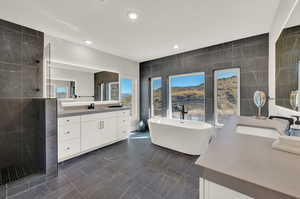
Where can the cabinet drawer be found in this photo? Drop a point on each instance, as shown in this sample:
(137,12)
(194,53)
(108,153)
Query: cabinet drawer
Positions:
(68,120)
(68,132)
(90,134)
(98,116)
(124,124)
(68,148)
(125,113)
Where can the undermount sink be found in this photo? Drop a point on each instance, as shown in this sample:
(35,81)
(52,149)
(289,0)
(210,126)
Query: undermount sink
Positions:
(257,131)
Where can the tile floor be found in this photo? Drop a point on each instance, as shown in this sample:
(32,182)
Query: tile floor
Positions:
(133,169)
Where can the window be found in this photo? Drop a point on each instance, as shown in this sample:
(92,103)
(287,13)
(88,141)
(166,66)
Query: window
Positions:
(189,91)
(226,94)
(156,97)
(126,92)
(113,91)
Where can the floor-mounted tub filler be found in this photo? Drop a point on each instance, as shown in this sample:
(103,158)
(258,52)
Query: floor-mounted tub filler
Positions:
(189,137)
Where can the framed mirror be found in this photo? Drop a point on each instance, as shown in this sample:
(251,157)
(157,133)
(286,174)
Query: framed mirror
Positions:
(288,63)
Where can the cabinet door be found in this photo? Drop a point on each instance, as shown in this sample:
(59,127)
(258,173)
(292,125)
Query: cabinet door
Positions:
(210,190)
(90,134)
(109,133)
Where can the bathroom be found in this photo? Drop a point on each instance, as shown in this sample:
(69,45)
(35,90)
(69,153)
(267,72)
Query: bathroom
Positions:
(129,99)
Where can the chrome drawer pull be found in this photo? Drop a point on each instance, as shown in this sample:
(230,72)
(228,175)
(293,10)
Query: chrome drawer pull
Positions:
(68,148)
(68,132)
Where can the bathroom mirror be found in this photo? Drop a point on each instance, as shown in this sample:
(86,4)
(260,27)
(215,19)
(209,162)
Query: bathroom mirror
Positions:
(77,83)
(288,61)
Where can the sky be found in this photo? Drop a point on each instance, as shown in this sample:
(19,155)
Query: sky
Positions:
(126,86)
(226,74)
(184,81)
(156,84)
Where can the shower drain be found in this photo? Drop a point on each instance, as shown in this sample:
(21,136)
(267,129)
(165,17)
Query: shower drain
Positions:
(11,174)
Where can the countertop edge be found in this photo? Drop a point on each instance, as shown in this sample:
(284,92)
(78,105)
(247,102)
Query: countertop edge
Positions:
(88,112)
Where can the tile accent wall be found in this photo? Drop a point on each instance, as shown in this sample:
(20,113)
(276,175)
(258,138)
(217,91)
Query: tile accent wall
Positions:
(21,61)
(249,54)
(28,122)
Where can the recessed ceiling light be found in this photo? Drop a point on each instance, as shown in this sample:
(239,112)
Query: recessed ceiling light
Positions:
(88,42)
(133,16)
(175,46)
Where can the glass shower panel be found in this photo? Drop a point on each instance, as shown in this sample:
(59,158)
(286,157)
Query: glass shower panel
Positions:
(50,89)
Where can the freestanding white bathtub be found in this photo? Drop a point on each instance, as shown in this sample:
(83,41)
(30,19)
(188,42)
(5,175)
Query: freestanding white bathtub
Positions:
(189,137)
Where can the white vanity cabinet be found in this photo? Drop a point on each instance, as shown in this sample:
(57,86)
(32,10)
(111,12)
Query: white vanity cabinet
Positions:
(68,137)
(97,130)
(123,124)
(210,190)
(80,134)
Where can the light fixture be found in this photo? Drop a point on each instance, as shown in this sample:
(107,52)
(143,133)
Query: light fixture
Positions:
(133,16)
(175,46)
(88,42)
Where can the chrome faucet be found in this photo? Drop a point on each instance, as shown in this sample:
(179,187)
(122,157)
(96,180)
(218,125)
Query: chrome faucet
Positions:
(91,106)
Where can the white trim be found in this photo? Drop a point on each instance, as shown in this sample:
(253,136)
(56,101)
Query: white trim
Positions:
(151,99)
(169,114)
(235,70)
(102,92)
(299,75)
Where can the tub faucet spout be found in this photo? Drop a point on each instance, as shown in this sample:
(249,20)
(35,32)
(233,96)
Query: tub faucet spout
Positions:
(182,110)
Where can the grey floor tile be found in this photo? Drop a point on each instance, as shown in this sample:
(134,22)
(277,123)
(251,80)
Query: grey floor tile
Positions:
(135,169)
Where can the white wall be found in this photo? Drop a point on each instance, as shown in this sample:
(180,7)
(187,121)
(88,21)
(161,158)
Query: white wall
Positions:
(68,53)
(284,11)
(84,81)
(65,52)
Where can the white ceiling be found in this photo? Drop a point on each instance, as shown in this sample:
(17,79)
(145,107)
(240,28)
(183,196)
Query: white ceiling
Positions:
(294,19)
(191,24)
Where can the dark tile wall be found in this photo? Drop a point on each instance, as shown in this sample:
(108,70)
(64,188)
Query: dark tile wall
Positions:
(21,61)
(287,64)
(32,143)
(249,54)
(28,129)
